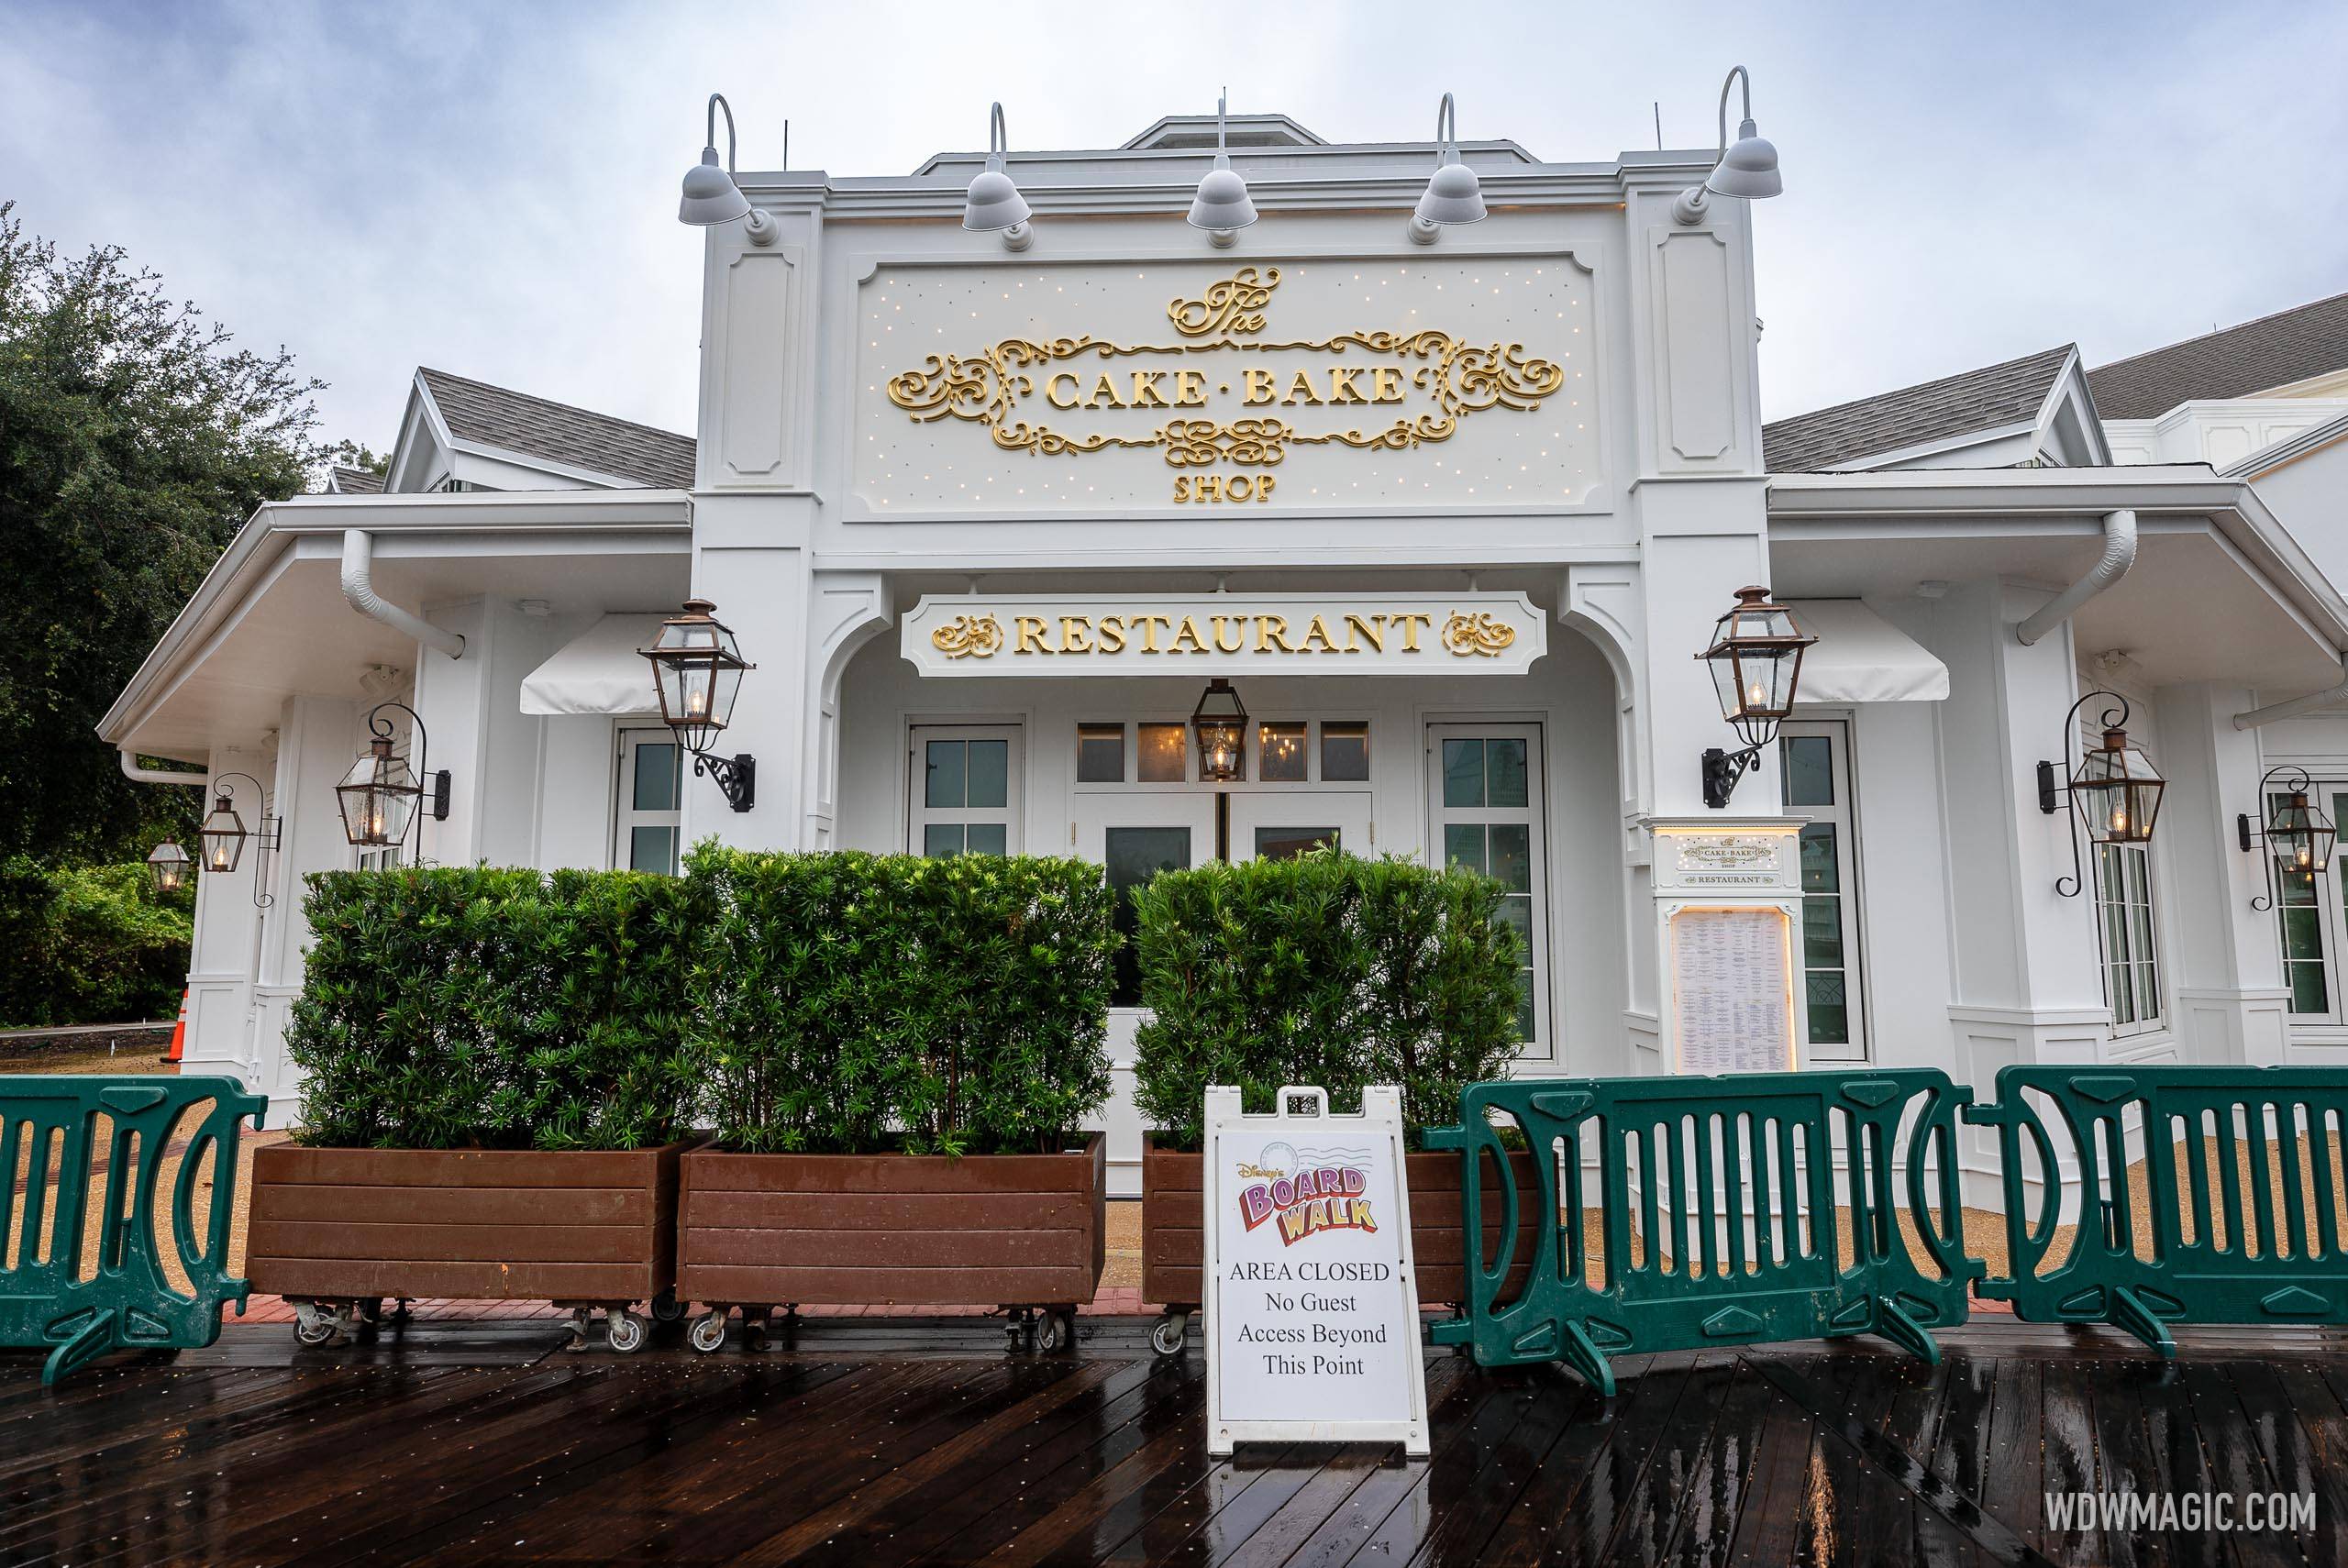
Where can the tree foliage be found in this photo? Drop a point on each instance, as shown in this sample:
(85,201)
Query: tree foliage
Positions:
(1323,969)
(135,440)
(89,945)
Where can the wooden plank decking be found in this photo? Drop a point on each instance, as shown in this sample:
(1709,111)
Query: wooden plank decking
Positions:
(888,1441)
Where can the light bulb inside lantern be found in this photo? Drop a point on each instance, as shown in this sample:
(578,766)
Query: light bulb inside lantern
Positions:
(2119,819)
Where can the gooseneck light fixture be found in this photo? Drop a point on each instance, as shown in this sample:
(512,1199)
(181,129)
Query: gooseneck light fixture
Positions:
(2115,793)
(220,841)
(697,670)
(711,197)
(1756,660)
(2299,838)
(995,205)
(167,864)
(1454,194)
(1223,206)
(1749,170)
(380,796)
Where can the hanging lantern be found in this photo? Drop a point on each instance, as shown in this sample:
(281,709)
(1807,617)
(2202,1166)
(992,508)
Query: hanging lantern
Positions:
(2116,792)
(2300,837)
(1755,659)
(222,836)
(697,670)
(167,863)
(378,796)
(1221,724)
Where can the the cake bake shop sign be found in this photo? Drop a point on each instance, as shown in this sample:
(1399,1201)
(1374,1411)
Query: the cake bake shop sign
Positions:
(1224,398)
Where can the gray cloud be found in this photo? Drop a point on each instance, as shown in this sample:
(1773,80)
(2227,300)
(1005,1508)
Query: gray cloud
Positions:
(491,188)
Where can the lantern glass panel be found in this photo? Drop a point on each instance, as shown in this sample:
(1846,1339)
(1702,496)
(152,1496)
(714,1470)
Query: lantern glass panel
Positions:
(2300,837)
(2117,792)
(168,863)
(378,798)
(223,837)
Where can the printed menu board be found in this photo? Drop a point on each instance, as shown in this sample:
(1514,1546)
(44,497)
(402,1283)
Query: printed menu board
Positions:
(1730,973)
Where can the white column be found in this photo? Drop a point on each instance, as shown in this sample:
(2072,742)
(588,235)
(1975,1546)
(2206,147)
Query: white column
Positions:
(2224,957)
(224,948)
(317,739)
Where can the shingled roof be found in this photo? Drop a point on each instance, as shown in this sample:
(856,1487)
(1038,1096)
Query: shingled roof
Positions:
(534,426)
(2258,356)
(1986,399)
(347,480)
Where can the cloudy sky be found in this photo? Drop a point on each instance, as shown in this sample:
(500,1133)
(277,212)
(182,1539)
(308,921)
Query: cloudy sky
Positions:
(491,187)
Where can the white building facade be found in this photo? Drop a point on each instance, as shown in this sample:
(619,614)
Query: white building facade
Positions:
(1454,519)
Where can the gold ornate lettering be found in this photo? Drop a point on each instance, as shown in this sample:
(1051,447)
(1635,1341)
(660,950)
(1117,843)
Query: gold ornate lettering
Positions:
(1470,635)
(1235,305)
(968,636)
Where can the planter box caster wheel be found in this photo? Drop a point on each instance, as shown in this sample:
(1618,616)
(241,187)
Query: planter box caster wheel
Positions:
(626,1331)
(708,1333)
(316,1324)
(666,1308)
(1056,1331)
(1169,1333)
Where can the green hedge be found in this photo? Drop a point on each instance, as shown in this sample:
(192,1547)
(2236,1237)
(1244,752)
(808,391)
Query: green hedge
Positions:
(477,1008)
(1323,969)
(89,945)
(855,1002)
(839,1002)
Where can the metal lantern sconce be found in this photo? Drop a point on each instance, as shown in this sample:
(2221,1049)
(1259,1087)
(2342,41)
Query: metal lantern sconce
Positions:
(2299,838)
(2114,790)
(1755,659)
(381,797)
(167,864)
(1220,722)
(220,842)
(697,670)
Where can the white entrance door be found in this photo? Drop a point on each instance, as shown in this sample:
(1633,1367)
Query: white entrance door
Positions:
(1276,824)
(1134,834)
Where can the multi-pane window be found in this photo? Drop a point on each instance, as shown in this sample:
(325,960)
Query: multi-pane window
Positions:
(2123,899)
(1487,794)
(1815,771)
(965,789)
(2307,909)
(1279,751)
(648,824)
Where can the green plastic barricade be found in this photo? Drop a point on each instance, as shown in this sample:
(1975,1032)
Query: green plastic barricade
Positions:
(1729,1211)
(78,1147)
(2203,1195)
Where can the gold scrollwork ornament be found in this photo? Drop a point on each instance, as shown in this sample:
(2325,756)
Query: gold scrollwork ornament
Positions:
(1477,633)
(968,636)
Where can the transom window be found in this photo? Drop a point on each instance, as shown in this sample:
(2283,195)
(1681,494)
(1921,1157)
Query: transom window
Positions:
(1279,751)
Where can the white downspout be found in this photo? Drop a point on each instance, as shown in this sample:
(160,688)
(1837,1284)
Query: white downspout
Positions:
(359,587)
(137,775)
(2119,555)
(2330,697)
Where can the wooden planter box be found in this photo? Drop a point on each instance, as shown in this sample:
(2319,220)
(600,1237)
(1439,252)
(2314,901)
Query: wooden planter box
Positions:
(489,1224)
(1173,1244)
(893,1230)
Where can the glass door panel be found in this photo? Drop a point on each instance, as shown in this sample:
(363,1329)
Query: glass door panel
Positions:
(1486,794)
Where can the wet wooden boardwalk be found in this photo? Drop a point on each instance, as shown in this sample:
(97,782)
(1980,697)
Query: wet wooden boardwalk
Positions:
(880,1442)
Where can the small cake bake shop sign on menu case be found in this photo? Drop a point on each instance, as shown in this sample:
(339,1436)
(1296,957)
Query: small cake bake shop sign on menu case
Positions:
(1312,1309)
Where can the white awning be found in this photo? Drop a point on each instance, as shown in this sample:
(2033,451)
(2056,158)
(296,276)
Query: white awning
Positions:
(1862,658)
(598,671)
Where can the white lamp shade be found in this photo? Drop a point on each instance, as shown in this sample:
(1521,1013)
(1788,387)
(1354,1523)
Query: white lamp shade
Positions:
(1222,200)
(1748,169)
(709,195)
(1454,195)
(994,201)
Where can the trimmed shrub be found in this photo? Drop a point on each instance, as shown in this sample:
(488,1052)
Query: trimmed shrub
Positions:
(450,1008)
(853,1003)
(90,945)
(1325,969)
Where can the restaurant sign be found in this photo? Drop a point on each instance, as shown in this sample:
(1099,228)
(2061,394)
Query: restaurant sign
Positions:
(1226,634)
(1312,1307)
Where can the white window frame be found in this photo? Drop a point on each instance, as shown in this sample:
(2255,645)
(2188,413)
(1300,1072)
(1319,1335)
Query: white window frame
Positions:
(1544,1044)
(919,814)
(2153,957)
(1190,783)
(626,818)
(1844,816)
(2331,915)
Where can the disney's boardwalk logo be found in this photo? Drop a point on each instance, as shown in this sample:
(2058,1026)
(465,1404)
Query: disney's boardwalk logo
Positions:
(1323,1198)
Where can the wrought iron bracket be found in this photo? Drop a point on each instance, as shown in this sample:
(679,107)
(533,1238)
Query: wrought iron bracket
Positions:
(1723,770)
(2054,788)
(2246,832)
(737,776)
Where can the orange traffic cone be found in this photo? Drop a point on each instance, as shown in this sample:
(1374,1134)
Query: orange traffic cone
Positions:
(179,1035)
